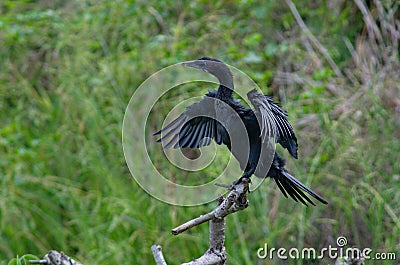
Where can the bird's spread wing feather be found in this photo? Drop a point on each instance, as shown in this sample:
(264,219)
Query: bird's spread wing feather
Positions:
(273,121)
(194,128)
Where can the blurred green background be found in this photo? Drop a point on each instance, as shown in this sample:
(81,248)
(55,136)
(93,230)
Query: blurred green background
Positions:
(69,68)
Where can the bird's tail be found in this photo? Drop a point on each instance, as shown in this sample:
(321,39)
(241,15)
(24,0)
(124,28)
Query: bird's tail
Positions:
(291,186)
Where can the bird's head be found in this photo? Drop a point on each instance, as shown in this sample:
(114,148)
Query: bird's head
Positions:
(210,65)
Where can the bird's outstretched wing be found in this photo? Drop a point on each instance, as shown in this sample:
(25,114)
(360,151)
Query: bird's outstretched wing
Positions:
(195,127)
(273,121)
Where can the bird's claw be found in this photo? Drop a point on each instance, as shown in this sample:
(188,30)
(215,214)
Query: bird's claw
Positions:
(240,180)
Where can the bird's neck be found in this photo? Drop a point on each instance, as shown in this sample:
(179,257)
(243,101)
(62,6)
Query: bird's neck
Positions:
(225,89)
(224,92)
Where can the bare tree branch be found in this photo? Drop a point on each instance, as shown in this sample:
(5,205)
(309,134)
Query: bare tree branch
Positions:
(158,256)
(235,201)
(55,258)
(226,206)
(192,223)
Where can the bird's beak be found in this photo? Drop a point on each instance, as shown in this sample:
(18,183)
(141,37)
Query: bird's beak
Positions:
(189,64)
(194,64)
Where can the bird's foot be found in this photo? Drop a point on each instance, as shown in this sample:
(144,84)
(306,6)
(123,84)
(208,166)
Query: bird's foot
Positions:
(240,180)
(236,182)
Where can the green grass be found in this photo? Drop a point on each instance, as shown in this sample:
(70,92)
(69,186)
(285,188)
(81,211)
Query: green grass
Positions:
(69,68)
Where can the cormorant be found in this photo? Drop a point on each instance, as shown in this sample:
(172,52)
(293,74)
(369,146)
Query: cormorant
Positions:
(214,118)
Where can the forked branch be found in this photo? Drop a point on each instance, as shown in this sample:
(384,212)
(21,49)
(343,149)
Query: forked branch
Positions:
(236,200)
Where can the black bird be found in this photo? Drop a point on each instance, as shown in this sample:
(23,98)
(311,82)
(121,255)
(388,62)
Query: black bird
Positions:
(220,117)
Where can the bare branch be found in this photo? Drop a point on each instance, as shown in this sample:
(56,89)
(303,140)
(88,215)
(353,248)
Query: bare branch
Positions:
(216,254)
(158,256)
(235,201)
(217,234)
(227,206)
(192,223)
(209,258)
(55,258)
